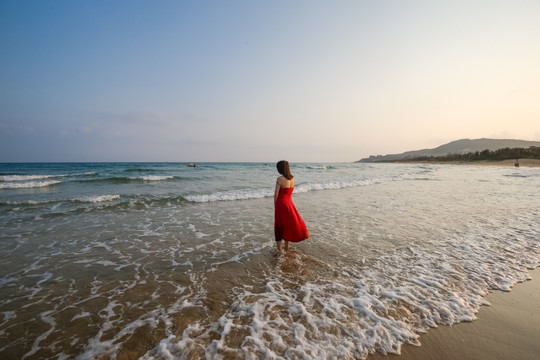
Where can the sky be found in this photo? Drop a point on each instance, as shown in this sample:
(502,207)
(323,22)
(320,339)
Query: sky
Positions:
(302,80)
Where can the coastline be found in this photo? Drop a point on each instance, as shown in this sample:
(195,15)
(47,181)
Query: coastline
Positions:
(500,163)
(508,329)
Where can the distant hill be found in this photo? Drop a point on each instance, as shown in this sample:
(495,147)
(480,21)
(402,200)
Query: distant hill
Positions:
(462,146)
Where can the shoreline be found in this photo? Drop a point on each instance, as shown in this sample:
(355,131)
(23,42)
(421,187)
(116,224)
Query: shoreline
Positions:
(500,163)
(507,329)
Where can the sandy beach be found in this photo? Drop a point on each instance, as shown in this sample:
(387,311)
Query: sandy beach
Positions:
(508,329)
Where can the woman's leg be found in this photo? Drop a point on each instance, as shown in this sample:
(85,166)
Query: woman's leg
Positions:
(286,245)
(278,243)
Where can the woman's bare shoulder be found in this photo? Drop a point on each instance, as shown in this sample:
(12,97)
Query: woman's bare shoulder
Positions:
(284,182)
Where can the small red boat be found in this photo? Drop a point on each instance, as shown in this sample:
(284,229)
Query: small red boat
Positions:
(191,165)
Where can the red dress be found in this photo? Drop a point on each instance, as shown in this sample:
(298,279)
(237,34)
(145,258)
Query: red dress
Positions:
(288,224)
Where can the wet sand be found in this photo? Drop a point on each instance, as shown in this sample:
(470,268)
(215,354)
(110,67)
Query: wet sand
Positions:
(508,329)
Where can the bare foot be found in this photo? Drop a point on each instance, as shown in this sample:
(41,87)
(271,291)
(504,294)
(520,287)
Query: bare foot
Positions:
(287,247)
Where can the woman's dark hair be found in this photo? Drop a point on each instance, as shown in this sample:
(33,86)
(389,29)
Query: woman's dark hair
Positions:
(283,168)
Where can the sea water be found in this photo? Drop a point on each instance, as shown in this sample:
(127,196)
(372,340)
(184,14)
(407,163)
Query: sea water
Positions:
(165,261)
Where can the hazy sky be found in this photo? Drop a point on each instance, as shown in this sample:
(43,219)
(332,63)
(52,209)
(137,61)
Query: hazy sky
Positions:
(262,80)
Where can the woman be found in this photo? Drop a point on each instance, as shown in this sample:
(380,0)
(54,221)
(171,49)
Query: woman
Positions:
(288,225)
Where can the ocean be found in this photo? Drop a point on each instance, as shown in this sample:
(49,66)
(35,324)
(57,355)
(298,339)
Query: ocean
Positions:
(165,261)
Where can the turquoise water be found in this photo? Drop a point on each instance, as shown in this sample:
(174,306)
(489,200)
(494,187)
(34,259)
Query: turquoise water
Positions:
(160,260)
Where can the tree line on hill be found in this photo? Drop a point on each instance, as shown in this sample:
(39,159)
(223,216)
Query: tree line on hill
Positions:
(532,152)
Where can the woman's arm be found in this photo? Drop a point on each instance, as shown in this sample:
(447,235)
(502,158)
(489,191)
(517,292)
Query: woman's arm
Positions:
(276,191)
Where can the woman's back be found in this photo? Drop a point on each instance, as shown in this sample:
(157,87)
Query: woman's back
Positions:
(284,182)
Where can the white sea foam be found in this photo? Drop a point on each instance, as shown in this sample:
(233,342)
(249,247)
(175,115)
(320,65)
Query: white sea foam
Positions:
(335,185)
(378,306)
(25,202)
(302,188)
(106,263)
(152,178)
(28,184)
(98,199)
(81,315)
(230,195)
(47,318)
(28,177)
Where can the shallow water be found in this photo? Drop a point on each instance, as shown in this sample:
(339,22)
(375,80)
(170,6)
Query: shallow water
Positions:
(161,261)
